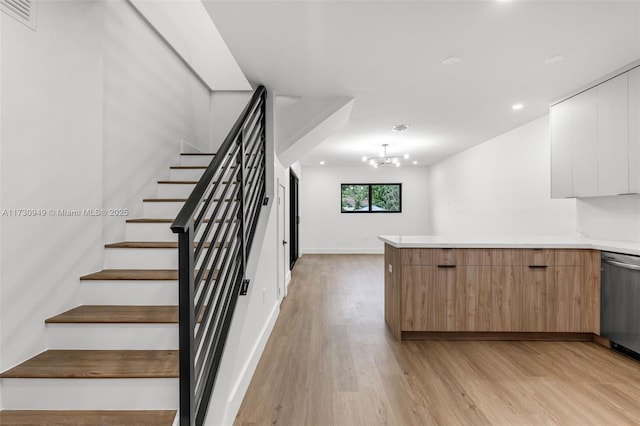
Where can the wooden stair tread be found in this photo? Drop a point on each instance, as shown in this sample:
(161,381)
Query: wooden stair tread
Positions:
(164,200)
(191,182)
(98,364)
(117,314)
(198,167)
(177,182)
(177,200)
(87,417)
(155,244)
(136,274)
(197,153)
(152,220)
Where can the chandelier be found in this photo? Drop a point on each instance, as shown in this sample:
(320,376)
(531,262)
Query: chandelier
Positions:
(385,160)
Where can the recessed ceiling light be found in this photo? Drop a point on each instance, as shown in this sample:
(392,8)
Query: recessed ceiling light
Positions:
(322,163)
(517,107)
(415,162)
(400,127)
(451,60)
(554,59)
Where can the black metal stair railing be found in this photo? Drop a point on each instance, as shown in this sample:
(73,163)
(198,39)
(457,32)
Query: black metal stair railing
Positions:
(215,229)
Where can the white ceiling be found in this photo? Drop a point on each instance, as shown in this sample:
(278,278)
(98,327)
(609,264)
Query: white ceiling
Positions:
(388,56)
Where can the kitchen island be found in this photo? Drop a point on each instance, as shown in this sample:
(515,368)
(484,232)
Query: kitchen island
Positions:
(494,288)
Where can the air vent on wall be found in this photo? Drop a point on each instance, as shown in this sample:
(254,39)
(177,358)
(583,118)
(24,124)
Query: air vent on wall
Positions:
(23,11)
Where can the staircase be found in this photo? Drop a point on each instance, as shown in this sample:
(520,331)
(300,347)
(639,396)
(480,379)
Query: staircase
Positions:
(114,359)
(148,341)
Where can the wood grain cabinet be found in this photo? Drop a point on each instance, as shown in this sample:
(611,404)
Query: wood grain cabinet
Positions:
(429,290)
(492,290)
(473,291)
(507,291)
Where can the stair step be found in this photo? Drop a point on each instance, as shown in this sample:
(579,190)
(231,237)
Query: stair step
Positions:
(187,182)
(102,336)
(158,229)
(136,275)
(132,274)
(196,159)
(129,292)
(150,220)
(177,182)
(175,188)
(155,245)
(170,207)
(197,153)
(115,314)
(178,200)
(148,254)
(144,244)
(107,364)
(87,417)
(90,393)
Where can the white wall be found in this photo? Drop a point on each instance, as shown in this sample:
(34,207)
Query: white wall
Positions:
(94,105)
(1,97)
(610,218)
(323,229)
(500,187)
(151,102)
(51,146)
(225,110)
(188,28)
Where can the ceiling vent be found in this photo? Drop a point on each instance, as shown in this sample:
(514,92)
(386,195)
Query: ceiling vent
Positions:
(23,11)
(400,127)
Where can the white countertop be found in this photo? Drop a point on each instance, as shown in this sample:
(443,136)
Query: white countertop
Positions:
(441,241)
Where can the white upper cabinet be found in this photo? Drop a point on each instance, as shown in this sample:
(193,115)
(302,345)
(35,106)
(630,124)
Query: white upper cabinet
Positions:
(561,148)
(595,140)
(613,136)
(634,130)
(585,143)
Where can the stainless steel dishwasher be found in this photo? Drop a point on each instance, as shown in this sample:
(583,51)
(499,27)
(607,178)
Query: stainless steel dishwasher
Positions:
(620,302)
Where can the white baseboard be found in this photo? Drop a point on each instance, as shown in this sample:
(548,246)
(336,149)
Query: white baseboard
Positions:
(242,384)
(287,279)
(342,251)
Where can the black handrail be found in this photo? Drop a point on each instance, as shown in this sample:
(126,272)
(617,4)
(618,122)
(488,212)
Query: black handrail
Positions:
(215,230)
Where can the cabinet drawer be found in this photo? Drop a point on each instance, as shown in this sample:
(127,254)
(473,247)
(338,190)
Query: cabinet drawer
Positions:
(538,257)
(507,257)
(416,257)
(446,257)
(476,257)
(571,257)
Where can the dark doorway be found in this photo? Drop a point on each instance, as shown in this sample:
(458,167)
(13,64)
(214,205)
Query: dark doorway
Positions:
(294,219)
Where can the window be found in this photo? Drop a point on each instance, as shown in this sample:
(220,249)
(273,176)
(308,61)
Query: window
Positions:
(371,198)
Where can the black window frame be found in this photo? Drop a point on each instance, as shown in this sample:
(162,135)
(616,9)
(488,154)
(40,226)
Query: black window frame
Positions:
(370,201)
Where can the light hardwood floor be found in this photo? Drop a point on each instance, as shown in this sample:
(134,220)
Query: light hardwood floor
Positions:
(331,361)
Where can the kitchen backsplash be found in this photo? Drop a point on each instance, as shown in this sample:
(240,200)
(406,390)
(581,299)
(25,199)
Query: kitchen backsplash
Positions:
(609,218)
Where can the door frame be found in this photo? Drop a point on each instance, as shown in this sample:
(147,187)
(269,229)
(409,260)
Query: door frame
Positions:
(282,240)
(294,219)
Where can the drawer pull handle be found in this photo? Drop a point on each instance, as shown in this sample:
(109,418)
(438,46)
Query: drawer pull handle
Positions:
(538,266)
(446,266)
